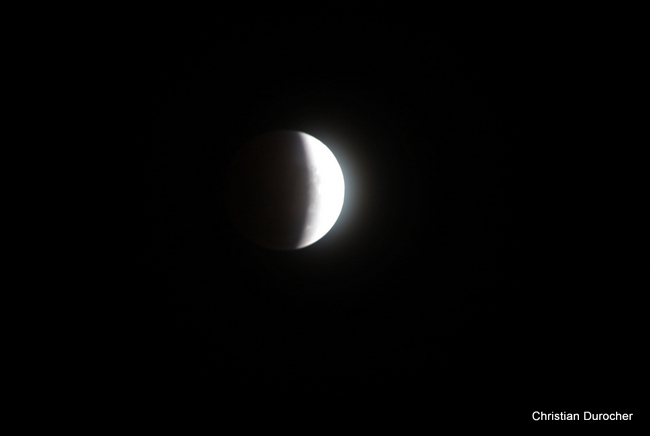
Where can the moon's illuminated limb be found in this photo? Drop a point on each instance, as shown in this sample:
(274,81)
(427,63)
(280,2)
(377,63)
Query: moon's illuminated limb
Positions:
(327,190)
(284,190)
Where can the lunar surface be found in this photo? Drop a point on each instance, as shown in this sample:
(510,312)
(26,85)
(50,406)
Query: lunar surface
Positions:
(284,190)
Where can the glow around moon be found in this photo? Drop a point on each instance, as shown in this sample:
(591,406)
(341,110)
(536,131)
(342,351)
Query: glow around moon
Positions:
(285,190)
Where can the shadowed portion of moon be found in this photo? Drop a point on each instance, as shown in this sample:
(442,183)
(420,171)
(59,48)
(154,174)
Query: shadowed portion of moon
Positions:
(268,190)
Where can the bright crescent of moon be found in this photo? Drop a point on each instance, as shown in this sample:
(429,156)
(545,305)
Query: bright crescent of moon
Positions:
(284,190)
(328,190)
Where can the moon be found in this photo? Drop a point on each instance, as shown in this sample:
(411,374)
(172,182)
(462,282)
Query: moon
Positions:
(284,190)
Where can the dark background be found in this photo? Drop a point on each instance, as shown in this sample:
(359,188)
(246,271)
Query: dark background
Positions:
(460,281)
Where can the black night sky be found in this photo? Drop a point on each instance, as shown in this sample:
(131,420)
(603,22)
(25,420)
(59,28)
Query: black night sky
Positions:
(436,291)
